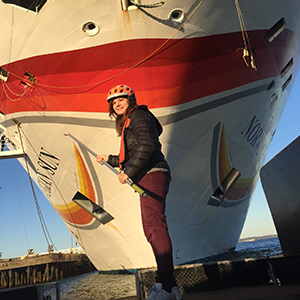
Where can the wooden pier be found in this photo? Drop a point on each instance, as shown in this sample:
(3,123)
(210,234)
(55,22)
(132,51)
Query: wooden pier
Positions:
(35,269)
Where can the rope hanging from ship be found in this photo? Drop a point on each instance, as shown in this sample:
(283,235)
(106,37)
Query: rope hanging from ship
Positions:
(96,84)
(42,221)
(6,87)
(41,218)
(248,51)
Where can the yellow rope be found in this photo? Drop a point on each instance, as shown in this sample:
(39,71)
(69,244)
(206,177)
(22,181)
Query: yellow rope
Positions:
(125,71)
(245,38)
(5,85)
(242,23)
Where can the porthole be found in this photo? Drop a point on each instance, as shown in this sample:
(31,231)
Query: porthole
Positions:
(177,15)
(90,28)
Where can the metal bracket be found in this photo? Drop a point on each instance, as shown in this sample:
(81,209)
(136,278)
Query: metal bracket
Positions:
(92,208)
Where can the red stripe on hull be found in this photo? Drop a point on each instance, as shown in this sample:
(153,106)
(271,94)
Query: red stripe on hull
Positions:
(182,71)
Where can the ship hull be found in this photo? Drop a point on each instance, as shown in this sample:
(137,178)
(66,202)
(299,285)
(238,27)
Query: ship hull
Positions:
(219,115)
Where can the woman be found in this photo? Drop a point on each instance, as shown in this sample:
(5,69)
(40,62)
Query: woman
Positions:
(141,159)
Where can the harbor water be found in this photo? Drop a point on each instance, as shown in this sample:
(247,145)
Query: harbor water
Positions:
(104,286)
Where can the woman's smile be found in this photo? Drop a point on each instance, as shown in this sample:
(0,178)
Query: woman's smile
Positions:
(120,105)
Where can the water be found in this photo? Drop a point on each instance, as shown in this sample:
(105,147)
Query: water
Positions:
(95,286)
(258,248)
(99,286)
(252,249)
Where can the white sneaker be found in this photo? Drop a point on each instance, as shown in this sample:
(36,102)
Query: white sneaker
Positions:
(176,292)
(157,293)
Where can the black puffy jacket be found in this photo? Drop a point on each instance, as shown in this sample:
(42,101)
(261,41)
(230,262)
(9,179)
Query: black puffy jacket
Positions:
(142,146)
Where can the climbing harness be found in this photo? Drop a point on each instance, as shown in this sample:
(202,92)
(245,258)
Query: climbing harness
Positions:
(247,50)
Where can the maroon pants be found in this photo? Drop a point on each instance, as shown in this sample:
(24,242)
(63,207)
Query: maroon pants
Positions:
(156,184)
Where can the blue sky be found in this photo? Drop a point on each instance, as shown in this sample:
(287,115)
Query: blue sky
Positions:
(259,220)
(19,223)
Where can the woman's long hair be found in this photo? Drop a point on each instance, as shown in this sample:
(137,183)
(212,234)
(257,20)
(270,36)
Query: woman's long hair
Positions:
(120,119)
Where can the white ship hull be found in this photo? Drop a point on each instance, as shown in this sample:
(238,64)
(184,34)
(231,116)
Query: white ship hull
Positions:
(217,112)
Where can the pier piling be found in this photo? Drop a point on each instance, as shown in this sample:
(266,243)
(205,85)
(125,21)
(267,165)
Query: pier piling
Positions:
(39,269)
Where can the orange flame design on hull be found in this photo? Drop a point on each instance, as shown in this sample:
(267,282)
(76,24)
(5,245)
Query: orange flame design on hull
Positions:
(71,212)
(244,186)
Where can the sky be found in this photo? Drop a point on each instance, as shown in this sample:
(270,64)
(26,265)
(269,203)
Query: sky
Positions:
(20,228)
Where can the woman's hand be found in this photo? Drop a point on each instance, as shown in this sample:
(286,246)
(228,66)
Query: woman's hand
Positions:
(101,157)
(123,177)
